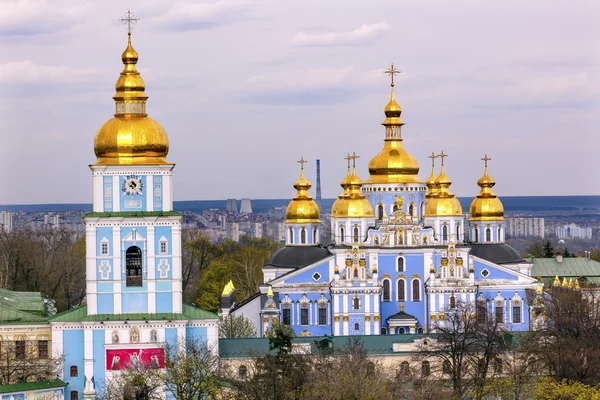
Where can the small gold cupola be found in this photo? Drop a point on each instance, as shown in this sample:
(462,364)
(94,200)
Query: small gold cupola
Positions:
(352,203)
(444,203)
(432,187)
(393,164)
(486,206)
(131,137)
(302,209)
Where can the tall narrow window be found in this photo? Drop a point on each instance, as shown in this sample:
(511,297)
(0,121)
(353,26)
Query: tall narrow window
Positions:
(104,248)
(481,311)
(445,233)
(163,247)
(133,264)
(425,368)
(74,395)
(303,236)
(497,365)
(323,314)
(242,371)
(386,290)
(73,371)
(286,316)
(446,368)
(452,301)
(488,235)
(355,235)
(404,368)
(457,231)
(42,349)
(476,235)
(499,314)
(20,349)
(356,303)
(401,290)
(342,236)
(356,327)
(499,234)
(380,211)
(416,290)
(411,210)
(314,235)
(400,264)
(291,235)
(516,314)
(304,314)
(383,330)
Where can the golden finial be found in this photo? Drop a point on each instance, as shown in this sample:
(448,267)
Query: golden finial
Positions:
(442,156)
(302,162)
(538,288)
(353,157)
(348,159)
(433,157)
(401,307)
(556,281)
(485,160)
(228,289)
(392,71)
(565,282)
(129,19)
(270,292)
(577,284)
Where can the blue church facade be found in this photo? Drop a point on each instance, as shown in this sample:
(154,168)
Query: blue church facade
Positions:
(403,254)
(134,288)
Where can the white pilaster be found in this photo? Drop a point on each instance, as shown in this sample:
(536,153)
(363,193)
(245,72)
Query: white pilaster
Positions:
(98,192)
(58,347)
(149,192)
(151,263)
(176,264)
(116,194)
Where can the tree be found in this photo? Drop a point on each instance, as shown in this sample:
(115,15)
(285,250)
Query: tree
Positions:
(550,389)
(23,360)
(191,370)
(534,249)
(549,251)
(139,382)
(236,326)
(212,283)
(198,253)
(280,337)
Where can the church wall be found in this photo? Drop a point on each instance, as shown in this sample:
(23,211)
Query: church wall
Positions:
(164,302)
(134,302)
(73,356)
(307,276)
(494,273)
(131,203)
(98,351)
(106,303)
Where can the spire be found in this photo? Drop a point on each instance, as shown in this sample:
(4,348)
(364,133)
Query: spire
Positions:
(228,289)
(538,288)
(392,110)
(270,291)
(131,97)
(565,282)
(556,281)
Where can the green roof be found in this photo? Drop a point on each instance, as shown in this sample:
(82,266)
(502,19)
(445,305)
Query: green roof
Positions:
(121,214)
(373,344)
(9,316)
(22,387)
(80,314)
(577,267)
(31,302)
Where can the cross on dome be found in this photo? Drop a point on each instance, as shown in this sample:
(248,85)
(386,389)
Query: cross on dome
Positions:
(392,71)
(433,157)
(129,19)
(486,159)
(442,156)
(302,162)
(353,157)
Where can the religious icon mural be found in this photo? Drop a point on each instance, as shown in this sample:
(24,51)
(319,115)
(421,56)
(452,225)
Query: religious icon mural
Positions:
(134,335)
(118,359)
(153,336)
(115,337)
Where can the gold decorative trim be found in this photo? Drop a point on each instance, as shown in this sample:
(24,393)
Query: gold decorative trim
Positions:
(275,320)
(336,318)
(266,320)
(376,318)
(401,276)
(367,318)
(441,317)
(345,318)
(432,317)
(386,276)
(416,276)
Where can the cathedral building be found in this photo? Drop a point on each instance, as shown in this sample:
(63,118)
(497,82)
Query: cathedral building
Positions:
(133,253)
(404,252)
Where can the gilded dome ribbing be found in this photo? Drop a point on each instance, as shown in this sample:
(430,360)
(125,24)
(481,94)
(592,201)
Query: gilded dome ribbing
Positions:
(131,137)
(393,164)
(486,206)
(444,203)
(352,203)
(302,208)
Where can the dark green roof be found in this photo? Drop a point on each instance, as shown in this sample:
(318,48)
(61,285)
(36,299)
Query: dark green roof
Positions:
(373,344)
(577,267)
(22,387)
(9,316)
(122,214)
(30,302)
(80,314)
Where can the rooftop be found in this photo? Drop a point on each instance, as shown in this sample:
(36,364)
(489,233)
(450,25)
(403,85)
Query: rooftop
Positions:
(21,387)
(80,314)
(576,267)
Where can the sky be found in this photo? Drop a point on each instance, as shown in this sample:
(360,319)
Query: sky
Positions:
(244,88)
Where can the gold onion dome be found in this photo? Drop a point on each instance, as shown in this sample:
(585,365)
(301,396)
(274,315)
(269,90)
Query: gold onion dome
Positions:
(444,203)
(486,206)
(302,208)
(393,164)
(352,203)
(131,137)
(432,187)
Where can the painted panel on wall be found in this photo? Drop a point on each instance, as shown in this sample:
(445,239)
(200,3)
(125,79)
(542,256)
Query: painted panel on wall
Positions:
(107,193)
(118,359)
(157,195)
(133,192)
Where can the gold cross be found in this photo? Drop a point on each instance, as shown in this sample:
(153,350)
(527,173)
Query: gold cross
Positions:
(354,157)
(442,156)
(486,159)
(392,71)
(348,159)
(433,157)
(302,162)
(129,19)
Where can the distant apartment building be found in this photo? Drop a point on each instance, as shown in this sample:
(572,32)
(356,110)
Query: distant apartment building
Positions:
(572,231)
(233,231)
(6,221)
(279,232)
(524,227)
(256,230)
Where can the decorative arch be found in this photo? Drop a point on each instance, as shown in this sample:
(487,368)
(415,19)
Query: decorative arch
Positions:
(302,235)
(401,289)
(387,292)
(400,263)
(416,289)
(133,266)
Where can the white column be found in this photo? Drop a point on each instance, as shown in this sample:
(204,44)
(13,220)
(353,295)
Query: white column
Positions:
(117,268)
(88,356)
(57,347)
(116,194)
(98,191)
(336,313)
(376,324)
(167,192)
(345,314)
(176,265)
(149,193)
(90,268)
(151,252)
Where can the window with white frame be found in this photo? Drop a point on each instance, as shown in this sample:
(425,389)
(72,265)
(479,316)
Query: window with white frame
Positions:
(163,247)
(401,290)
(400,264)
(386,290)
(104,247)
(416,290)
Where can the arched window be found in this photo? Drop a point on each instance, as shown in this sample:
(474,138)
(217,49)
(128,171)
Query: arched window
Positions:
(401,331)
(386,290)
(425,368)
(73,371)
(383,330)
(446,368)
(488,235)
(376,240)
(355,235)
(74,395)
(303,236)
(411,210)
(416,290)
(356,272)
(404,368)
(356,327)
(531,365)
(497,365)
(445,233)
(394,208)
(452,301)
(356,303)
(291,235)
(420,331)
(342,236)
(481,311)
(133,265)
(401,290)
(380,211)
(476,235)
(242,372)
(314,235)
(370,368)
(422,209)
(499,234)
(457,231)
(400,264)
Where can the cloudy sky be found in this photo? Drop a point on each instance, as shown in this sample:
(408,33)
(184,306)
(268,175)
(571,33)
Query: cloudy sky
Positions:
(246,87)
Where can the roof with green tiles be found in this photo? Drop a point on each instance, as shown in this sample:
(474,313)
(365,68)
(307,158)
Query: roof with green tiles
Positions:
(548,268)
(30,302)
(256,347)
(80,314)
(122,214)
(10,315)
(27,386)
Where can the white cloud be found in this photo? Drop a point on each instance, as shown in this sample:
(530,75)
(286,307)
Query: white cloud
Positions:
(31,17)
(195,16)
(362,35)
(28,72)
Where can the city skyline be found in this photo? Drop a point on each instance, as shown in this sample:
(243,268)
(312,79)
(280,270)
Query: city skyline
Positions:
(244,88)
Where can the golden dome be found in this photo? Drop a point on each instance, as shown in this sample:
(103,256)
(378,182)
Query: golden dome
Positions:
(393,164)
(431,185)
(352,203)
(131,137)
(444,203)
(302,208)
(486,206)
